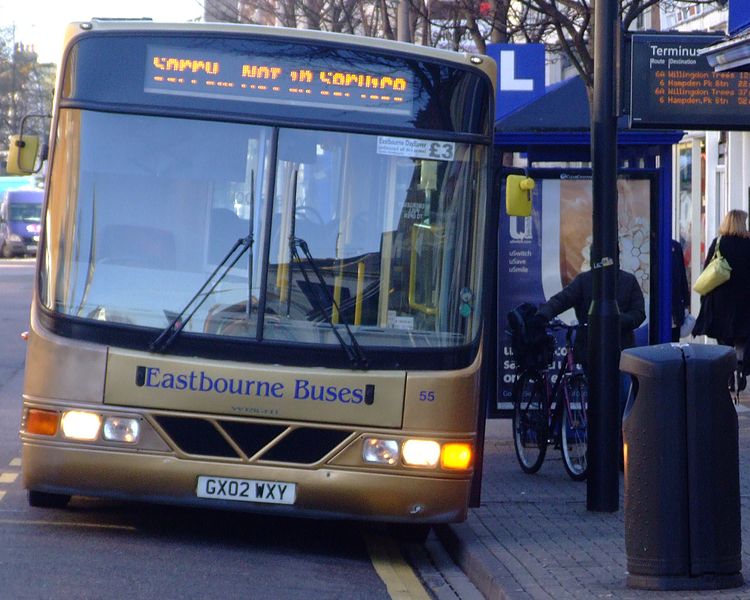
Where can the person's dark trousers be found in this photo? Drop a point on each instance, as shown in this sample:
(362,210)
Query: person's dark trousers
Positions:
(743,366)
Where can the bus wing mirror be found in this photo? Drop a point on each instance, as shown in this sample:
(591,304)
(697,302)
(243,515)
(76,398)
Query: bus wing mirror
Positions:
(23,150)
(518,190)
(22,153)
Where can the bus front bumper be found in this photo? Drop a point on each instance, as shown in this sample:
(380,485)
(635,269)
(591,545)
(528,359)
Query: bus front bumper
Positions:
(327,492)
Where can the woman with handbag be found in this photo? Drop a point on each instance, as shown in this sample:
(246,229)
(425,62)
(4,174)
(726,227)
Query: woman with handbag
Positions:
(725,310)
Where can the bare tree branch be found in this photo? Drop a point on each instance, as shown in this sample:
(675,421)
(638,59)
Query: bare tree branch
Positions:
(565,26)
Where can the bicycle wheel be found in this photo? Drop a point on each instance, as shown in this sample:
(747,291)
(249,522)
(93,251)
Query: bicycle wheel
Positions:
(530,421)
(574,426)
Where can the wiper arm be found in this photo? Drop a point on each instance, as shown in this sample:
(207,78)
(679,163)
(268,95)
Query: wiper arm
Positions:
(177,324)
(353,349)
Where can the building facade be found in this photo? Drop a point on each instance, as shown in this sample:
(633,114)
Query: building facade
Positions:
(712,168)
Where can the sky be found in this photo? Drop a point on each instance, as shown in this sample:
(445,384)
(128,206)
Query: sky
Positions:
(41,23)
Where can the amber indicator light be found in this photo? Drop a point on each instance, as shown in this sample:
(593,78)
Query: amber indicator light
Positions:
(456,456)
(42,422)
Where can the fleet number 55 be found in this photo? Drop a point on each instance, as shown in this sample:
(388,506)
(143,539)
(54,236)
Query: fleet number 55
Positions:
(426,396)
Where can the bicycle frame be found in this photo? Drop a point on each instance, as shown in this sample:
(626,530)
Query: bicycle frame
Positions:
(555,390)
(550,408)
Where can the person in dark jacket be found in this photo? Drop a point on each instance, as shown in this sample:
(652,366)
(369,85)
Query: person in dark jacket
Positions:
(725,311)
(578,295)
(680,290)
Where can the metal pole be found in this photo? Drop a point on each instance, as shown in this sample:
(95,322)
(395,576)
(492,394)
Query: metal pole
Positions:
(603,483)
(403,21)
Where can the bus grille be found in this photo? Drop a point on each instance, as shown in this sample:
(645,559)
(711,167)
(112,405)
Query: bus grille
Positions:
(258,442)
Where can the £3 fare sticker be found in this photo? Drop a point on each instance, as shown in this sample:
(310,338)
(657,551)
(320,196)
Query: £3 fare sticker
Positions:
(416,148)
(442,150)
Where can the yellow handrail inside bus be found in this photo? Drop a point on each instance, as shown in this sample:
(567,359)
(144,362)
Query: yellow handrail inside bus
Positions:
(360,292)
(425,231)
(336,297)
(282,275)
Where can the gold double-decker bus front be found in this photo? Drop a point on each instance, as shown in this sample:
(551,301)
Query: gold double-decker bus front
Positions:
(260,275)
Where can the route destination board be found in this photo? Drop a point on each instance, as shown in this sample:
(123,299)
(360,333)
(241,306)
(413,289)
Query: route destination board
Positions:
(673,86)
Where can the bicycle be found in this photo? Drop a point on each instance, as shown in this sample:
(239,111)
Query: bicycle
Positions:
(550,407)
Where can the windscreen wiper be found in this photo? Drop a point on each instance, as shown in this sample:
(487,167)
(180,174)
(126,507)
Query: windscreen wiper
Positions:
(177,324)
(353,349)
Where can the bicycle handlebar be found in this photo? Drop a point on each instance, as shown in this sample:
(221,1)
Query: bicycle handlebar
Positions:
(557,324)
(571,331)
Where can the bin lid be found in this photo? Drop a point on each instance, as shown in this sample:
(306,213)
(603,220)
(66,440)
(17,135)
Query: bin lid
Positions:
(708,352)
(647,361)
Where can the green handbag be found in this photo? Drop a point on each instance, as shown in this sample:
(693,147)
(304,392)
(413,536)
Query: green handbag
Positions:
(716,272)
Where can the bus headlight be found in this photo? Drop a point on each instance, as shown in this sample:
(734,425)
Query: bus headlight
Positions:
(121,429)
(80,425)
(13,237)
(456,456)
(421,453)
(376,450)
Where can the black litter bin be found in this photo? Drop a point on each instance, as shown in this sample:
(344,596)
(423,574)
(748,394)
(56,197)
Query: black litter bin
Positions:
(682,487)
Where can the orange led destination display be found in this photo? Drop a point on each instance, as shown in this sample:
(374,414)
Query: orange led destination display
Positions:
(309,81)
(673,86)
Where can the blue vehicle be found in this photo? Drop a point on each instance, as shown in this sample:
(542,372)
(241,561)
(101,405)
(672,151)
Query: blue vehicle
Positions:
(20,222)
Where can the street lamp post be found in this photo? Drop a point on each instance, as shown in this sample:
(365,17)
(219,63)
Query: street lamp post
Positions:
(603,483)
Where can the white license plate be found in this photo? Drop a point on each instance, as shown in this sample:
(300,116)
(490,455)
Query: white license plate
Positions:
(246,490)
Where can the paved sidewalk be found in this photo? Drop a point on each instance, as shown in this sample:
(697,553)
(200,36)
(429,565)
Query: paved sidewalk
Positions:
(532,537)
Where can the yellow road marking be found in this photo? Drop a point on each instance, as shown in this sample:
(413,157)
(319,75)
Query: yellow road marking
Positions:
(8,477)
(399,578)
(16,462)
(2,495)
(66,524)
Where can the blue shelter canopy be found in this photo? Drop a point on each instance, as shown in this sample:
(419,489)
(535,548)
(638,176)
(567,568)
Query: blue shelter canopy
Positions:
(556,127)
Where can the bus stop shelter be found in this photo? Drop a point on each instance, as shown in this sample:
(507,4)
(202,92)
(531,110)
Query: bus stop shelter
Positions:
(538,255)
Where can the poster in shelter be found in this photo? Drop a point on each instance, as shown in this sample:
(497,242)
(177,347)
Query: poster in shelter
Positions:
(541,254)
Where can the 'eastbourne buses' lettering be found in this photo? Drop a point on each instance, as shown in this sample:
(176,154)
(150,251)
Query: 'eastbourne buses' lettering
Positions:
(200,381)
(154,377)
(304,390)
